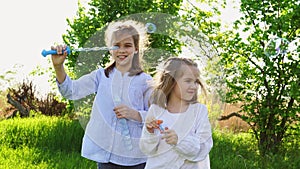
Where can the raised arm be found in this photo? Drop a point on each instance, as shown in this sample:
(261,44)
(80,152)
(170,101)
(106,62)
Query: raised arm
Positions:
(58,62)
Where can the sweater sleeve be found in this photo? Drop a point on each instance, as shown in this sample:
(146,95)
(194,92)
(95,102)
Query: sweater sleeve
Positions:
(149,141)
(198,143)
(77,89)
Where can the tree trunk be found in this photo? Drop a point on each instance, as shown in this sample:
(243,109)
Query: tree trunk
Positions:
(22,110)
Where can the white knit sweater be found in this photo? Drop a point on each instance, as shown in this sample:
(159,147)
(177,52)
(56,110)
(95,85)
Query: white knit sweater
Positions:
(194,139)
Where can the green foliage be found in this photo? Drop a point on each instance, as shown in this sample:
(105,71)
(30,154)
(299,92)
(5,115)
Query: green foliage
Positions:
(173,30)
(267,86)
(55,142)
(87,28)
(233,150)
(35,158)
(43,142)
(45,133)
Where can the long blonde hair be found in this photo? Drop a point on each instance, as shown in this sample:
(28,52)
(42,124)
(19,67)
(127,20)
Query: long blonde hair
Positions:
(165,80)
(139,34)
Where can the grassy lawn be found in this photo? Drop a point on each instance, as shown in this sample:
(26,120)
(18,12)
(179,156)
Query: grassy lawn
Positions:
(239,151)
(35,158)
(42,142)
(55,143)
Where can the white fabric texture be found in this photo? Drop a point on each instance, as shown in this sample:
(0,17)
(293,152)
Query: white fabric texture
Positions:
(194,139)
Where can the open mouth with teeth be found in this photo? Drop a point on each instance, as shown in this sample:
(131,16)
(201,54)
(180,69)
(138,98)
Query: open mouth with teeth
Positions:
(123,57)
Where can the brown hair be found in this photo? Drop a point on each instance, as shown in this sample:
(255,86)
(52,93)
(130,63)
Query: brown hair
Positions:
(140,38)
(165,80)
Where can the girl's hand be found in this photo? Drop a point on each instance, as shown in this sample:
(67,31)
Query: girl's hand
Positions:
(59,59)
(123,111)
(151,124)
(170,136)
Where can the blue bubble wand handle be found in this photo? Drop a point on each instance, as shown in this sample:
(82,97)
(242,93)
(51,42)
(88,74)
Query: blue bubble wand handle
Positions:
(54,52)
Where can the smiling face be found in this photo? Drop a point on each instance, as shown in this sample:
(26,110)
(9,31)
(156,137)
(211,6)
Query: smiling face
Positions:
(187,84)
(124,54)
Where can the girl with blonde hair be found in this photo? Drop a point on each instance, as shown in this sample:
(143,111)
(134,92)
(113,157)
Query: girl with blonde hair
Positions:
(122,92)
(184,139)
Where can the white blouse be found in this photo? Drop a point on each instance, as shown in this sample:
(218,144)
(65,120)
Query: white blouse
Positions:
(102,141)
(194,139)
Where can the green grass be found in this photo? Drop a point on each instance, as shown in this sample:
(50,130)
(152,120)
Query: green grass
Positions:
(35,158)
(49,133)
(42,142)
(239,151)
(55,143)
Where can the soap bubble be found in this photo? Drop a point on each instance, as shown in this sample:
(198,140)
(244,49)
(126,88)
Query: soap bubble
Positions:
(294,48)
(276,46)
(195,45)
(151,27)
(294,45)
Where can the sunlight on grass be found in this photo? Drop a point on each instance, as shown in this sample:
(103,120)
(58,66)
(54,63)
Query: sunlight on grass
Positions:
(55,142)
(33,158)
(239,150)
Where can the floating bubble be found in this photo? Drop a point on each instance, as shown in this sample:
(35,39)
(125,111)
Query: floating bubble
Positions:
(294,45)
(89,61)
(276,46)
(294,48)
(151,27)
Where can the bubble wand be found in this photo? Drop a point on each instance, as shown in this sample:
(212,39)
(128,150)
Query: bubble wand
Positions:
(104,48)
(151,28)
(160,127)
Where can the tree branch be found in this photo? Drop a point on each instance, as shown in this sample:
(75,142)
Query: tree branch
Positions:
(226,117)
(23,111)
